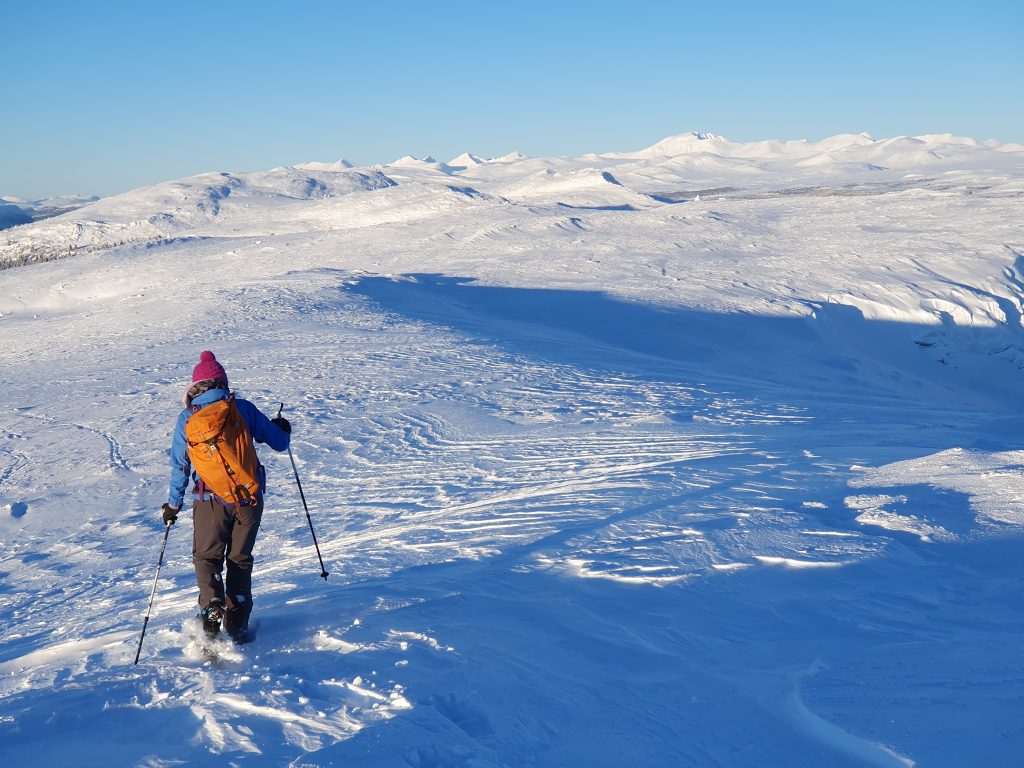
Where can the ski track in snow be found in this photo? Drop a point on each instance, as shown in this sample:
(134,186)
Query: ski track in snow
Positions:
(598,478)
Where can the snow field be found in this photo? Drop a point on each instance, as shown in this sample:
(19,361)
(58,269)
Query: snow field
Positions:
(723,482)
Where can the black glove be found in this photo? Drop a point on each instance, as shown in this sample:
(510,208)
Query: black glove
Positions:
(170,514)
(282,424)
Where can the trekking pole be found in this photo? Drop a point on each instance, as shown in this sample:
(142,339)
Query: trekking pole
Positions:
(159,564)
(323,571)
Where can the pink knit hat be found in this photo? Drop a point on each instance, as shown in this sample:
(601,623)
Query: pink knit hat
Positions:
(208,368)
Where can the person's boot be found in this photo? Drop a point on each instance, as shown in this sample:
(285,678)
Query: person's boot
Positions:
(212,616)
(236,624)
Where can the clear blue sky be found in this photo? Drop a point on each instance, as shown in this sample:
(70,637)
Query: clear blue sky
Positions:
(101,97)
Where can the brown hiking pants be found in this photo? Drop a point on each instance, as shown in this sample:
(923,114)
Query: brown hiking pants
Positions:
(219,530)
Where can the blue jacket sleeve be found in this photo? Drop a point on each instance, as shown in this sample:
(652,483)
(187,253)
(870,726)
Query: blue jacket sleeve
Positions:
(181,466)
(261,428)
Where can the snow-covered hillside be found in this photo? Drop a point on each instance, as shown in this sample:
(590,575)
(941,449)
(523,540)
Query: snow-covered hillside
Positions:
(705,454)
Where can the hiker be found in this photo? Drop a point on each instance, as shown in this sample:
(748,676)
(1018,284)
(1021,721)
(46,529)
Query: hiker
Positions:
(214,439)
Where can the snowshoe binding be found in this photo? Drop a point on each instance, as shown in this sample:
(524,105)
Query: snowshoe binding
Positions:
(212,616)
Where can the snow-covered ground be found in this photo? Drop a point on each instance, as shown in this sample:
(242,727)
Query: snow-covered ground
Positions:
(707,454)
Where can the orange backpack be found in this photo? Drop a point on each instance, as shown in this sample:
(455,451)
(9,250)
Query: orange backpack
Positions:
(222,452)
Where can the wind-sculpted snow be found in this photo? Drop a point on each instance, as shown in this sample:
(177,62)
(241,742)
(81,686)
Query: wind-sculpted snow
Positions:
(729,477)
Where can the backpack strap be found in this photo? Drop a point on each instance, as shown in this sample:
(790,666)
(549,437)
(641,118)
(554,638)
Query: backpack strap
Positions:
(197,408)
(200,485)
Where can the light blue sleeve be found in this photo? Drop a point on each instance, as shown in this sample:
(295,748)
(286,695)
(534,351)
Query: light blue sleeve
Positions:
(260,427)
(181,466)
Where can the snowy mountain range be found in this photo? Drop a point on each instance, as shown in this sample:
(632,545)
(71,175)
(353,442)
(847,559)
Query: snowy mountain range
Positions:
(705,454)
(674,170)
(17,210)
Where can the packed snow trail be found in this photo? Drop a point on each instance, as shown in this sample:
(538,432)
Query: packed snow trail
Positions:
(678,485)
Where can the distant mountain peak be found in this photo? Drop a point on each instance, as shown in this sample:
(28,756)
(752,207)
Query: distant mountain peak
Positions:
(466,160)
(340,165)
(685,143)
(415,162)
(511,157)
